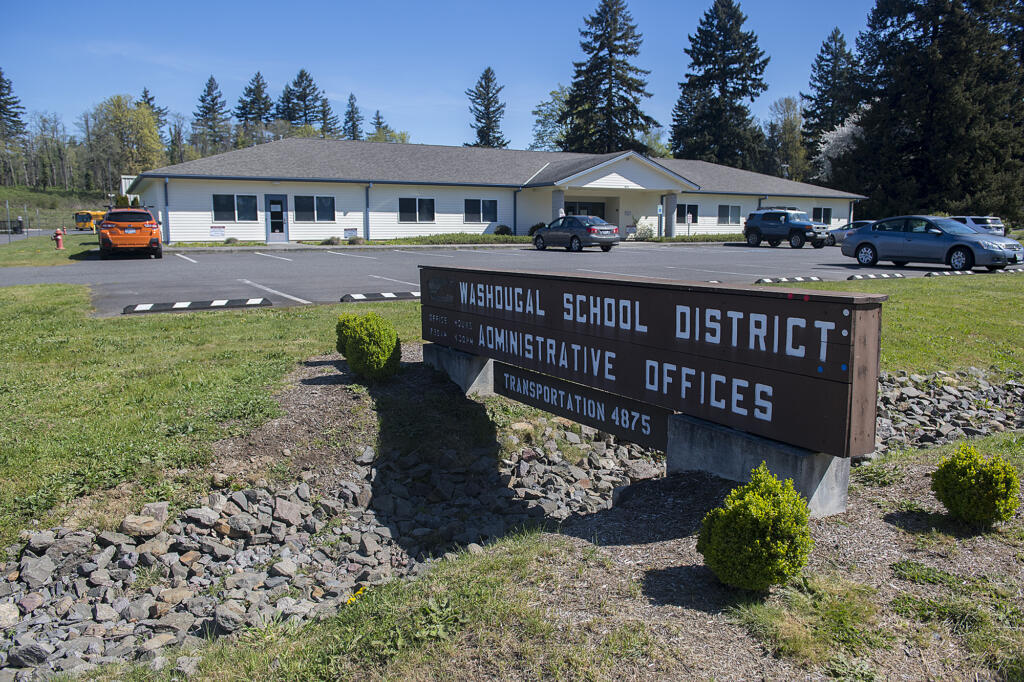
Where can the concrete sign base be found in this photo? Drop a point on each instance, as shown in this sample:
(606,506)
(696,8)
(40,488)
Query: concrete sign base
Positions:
(474,374)
(698,445)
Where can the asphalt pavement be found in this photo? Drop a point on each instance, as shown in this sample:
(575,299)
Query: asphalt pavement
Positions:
(302,276)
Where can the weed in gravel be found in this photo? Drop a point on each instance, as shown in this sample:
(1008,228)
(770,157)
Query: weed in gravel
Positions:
(960,614)
(849,669)
(915,572)
(878,475)
(815,618)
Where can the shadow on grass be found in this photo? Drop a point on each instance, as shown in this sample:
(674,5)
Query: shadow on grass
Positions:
(693,586)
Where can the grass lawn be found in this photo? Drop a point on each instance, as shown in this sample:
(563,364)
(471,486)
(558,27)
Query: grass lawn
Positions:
(948,323)
(41,251)
(48,209)
(89,403)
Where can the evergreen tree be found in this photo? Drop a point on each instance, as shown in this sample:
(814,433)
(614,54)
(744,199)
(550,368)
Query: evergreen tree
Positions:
(255,106)
(943,132)
(835,90)
(711,121)
(548,133)
(351,129)
(211,123)
(301,101)
(159,113)
(11,124)
(328,119)
(487,111)
(602,111)
(382,132)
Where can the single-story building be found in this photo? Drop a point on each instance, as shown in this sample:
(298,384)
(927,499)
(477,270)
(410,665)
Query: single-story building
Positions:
(311,189)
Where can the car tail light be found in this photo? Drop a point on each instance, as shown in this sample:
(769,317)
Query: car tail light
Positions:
(615,230)
(592,230)
(107,226)
(152,225)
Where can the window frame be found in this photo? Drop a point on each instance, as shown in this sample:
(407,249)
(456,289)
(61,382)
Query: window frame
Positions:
(685,208)
(316,213)
(433,202)
(820,210)
(480,206)
(234,208)
(729,218)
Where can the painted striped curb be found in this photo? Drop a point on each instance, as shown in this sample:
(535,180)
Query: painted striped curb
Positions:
(947,273)
(1008,271)
(776,280)
(383,296)
(881,276)
(181,306)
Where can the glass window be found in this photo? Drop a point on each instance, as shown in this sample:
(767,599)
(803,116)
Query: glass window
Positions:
(916,225)
(728,215)
(683,210)
(246,205)
(889,226)
(822,215)
(426,210)
(224,207)
(325,209)
(129,217)
(304,210)
(489,208)
(557,223)
(472,211)
(406,210)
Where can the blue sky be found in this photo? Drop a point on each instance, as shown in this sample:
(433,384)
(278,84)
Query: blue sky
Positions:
(411,60)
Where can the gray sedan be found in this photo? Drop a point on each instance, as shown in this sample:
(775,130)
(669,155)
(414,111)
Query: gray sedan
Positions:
(930,239)
(576,231)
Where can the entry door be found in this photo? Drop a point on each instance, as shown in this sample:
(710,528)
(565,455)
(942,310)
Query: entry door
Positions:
(276,207)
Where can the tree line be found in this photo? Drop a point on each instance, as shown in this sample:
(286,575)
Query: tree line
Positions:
(923,113)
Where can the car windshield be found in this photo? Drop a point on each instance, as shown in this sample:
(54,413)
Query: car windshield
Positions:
(793,217)
(591,220)
(129,217)
(951,226)
(83,217)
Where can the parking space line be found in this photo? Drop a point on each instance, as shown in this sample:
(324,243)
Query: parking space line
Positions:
(719,272)
(274,291)
(400,281)
(351,255)
(270,256)
(425,253)
(620,274)
(186,258)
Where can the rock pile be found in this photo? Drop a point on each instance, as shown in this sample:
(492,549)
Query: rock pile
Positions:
(76,599)
(920,410)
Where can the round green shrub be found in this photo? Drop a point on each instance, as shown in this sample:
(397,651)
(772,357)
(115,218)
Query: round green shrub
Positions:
(534,228)
(373,350)
(347,323)
(977,490)
(503,229)
(759,536)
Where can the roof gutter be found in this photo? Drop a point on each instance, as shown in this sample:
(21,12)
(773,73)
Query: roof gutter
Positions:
(173,176)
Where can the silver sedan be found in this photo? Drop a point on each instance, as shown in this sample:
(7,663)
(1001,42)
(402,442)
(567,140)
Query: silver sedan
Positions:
(930,239)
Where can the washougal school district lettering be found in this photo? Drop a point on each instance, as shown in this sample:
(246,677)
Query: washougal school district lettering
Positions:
(797,366)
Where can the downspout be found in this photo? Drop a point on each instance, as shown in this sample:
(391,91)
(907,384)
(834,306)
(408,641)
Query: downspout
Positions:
(167,213)
(366,214)
(759,200)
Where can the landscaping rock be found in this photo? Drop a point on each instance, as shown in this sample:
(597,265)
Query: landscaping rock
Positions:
(141,526)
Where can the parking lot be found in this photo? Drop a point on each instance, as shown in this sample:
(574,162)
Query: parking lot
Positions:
(296,276)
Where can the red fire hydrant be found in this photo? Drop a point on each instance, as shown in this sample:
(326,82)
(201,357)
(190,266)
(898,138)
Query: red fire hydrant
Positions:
(58,236)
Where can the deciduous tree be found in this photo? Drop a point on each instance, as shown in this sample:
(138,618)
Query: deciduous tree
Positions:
(548,133)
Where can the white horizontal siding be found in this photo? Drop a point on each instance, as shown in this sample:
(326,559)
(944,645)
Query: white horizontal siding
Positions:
(628,174)
(449,210)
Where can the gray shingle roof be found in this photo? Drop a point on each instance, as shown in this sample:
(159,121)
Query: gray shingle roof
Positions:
(346,160)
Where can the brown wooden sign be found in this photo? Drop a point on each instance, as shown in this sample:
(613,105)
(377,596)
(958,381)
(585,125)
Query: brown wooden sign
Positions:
(796,366)
(628,419)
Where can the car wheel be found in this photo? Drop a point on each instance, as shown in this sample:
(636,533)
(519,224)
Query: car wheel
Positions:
(774,242)
(899,263)
(866,254)
(538,242)
(830,240)
(994,268)
(753,238)
(575,245)
(818,243)
(796,241)
(606,247)
(158,253)
(961,259)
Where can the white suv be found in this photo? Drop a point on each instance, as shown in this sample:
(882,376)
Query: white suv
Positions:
(983,224)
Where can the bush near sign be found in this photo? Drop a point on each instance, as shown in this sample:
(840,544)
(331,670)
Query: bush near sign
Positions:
(795,366)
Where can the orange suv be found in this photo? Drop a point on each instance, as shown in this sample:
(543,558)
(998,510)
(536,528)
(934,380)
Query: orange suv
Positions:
(130,229)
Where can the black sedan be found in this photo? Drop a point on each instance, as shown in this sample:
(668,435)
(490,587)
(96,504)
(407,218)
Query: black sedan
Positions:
(576,231)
